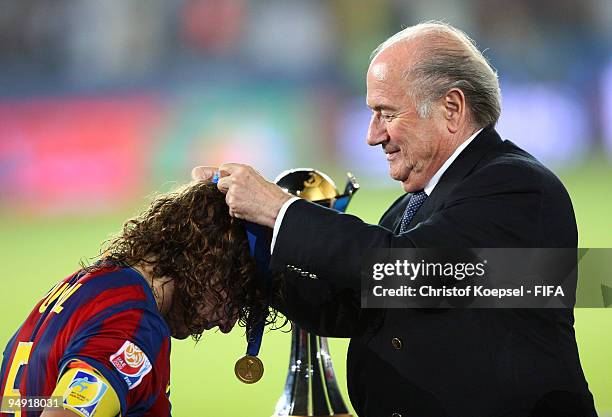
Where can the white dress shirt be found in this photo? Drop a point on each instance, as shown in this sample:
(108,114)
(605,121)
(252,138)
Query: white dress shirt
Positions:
(428,188)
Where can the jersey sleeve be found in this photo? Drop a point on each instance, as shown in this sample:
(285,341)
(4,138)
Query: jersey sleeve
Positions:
(131,350)
(85,391)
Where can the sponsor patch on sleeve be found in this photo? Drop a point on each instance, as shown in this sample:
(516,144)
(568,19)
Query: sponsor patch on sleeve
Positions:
(132,364)
(84,393)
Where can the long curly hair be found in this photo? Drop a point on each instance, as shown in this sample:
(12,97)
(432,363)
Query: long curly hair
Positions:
(189,236)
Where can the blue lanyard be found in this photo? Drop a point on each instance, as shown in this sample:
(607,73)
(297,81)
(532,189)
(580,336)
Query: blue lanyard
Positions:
(259,245)
(260,239)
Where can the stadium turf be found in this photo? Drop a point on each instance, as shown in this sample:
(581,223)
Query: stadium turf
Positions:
(37,251)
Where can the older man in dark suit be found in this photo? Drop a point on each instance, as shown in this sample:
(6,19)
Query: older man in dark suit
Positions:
(435,101)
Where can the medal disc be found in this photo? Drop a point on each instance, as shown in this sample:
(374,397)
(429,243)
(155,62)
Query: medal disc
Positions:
(249,369)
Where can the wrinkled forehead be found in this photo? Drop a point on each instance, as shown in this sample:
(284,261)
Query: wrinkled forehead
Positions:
(385,81)
(392,64)
(378,72)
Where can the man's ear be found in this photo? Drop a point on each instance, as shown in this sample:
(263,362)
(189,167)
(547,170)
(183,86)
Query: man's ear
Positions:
(454,109)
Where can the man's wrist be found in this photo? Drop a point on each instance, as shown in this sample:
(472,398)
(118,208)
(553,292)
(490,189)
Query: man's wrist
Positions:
(279,219)
(279,205)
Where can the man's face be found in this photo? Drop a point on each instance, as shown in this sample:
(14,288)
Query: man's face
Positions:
(212,314)
(224,314)
(410,143)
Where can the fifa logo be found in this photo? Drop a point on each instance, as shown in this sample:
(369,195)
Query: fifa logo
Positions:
(133,356)
(84,393)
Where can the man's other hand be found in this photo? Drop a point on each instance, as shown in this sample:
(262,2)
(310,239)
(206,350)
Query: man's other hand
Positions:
(247,193)
(203,173)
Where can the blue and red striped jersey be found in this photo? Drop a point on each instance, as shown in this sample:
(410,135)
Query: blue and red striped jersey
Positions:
(108,319)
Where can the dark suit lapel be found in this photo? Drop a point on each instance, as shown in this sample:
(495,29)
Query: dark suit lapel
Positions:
(456,172)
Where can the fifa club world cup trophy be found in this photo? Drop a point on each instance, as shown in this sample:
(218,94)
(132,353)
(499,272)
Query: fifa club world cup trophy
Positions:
(311,388)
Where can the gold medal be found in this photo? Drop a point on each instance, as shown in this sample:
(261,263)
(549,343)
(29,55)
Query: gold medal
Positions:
(249,369)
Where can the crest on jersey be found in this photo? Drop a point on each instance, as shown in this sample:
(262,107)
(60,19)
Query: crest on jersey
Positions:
(132,363)
(84,393)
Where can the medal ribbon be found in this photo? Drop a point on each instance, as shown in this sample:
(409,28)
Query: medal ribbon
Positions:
(260,239)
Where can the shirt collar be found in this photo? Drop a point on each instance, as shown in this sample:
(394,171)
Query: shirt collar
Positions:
(436,178)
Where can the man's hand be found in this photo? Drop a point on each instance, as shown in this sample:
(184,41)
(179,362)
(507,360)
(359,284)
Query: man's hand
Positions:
(203,173)
(248,194)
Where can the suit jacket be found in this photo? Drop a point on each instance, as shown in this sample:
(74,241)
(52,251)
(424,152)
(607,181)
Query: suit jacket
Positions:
(453,362)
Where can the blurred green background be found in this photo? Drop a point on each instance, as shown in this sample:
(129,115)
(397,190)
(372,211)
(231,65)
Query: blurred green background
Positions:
(36,252)
(105,102)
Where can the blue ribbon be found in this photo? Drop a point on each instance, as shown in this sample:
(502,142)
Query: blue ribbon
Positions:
(260,239)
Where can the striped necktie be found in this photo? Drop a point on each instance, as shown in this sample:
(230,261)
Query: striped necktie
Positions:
(416,201)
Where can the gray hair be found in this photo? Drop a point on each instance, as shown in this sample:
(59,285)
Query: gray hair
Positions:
(449,59)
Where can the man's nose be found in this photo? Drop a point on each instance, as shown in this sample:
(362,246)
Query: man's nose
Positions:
(377,133)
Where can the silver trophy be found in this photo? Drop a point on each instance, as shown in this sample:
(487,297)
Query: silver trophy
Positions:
(311,388)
